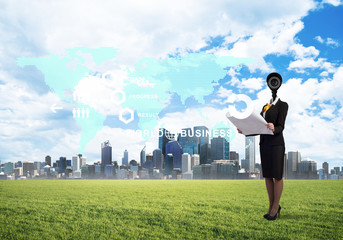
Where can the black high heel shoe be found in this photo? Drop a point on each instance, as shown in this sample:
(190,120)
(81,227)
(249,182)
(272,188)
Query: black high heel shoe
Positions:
(272,218)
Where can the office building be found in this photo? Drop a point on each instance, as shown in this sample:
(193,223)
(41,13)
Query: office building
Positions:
(76,163)
(164,137)
(18,164)
(293,159)
(217,148)
(226,149)
(336,170)
(169,163)
(245,164)
(143,157)
(195,160)
(307,169)
(109,171)
(202,133)
(48,160)
(325,167)
(62,164)
(174,148)
(157,159)
(36,166)
(234,156)
(250,153)
(125,159)
(186,163)
(188,141)
(28,168)
(8,168)
(106,153)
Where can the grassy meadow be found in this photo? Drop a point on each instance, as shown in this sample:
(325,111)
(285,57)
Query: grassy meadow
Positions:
(168,209)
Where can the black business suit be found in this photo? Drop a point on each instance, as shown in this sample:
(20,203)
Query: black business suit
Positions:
(272,147)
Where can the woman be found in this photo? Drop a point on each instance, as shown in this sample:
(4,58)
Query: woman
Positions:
(272,147)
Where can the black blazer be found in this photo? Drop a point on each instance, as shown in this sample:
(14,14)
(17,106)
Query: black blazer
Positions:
(276,114)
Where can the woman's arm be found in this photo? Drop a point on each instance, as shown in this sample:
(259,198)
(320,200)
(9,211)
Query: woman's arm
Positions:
(280,122)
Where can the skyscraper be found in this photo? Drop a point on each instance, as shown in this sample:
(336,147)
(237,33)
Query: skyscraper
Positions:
(250,152)
(168,164)
(326,168)
(217,148)
(76,163)
(195,160)
(28,168)
(186,163)
(62,164)
(143,157)
(48,160)
(293,159)
(188,141)
(157,159)
(125,159)
(202,133)
(106,153)
(164,137)
(9,168)
(174,148)
(226,149)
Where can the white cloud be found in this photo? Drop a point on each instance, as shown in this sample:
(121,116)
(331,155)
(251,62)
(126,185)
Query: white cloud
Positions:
(144,29)
(274,39)
(319,39)
(328,41)
(301,65)
(332,2)
(332,42)
(301,52)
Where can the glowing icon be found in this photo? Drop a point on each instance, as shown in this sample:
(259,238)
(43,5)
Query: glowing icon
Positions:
(81,113)
(121,99)
(54,108)
(125,111)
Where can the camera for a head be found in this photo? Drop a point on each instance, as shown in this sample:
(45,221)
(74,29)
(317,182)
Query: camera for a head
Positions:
(274,81)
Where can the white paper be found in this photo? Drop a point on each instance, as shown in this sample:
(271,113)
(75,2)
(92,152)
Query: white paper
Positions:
(253,124)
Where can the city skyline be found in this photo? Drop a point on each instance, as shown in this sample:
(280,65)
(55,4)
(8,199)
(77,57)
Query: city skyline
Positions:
(217,147)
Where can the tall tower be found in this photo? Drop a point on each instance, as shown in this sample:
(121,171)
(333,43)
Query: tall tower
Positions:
(143,156)
(217,148)
(188,141)
(250,152)
(125,159)
(202,133)
(157,158)
(106,153)
(76,163)
(326,168)
(164,137)
(48,160)
(174,148)
(293,159)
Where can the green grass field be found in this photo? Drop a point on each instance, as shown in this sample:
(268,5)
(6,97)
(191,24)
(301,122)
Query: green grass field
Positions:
(172,209)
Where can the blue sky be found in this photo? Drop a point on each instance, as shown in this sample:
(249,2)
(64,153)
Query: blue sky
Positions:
(304,44)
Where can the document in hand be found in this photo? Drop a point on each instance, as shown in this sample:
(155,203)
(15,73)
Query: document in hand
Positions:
(253,124)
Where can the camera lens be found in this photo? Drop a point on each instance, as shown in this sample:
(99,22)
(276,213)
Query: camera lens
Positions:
(274,82)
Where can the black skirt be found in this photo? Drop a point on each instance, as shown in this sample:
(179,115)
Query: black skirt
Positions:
(272,160)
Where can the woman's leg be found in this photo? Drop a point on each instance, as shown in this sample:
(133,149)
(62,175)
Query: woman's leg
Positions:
(270,190)
(278,187)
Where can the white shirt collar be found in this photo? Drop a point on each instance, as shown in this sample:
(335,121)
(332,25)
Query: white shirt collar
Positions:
(275,101)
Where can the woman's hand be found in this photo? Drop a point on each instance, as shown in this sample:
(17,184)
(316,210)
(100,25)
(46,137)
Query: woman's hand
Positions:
(239,131)
(270,126)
